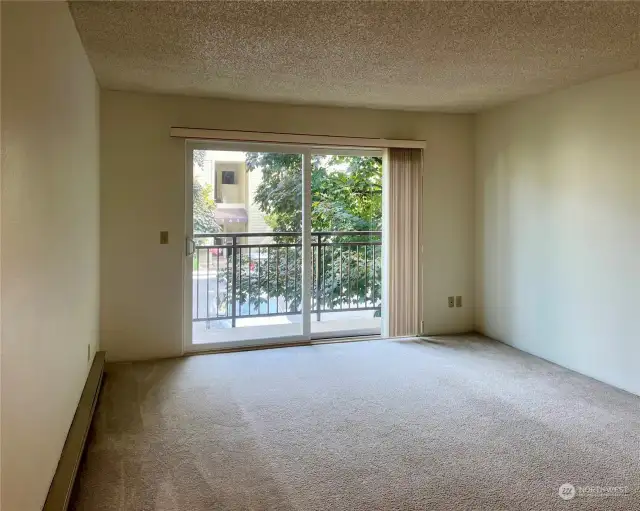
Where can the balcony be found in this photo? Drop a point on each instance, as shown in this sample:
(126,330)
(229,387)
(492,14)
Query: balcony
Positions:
(250,280)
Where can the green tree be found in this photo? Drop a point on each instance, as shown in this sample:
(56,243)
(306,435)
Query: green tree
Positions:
(203,204)
(199,156)
(346,194)
(204,209)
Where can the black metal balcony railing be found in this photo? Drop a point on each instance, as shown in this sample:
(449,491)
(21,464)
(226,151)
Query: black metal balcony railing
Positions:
(242,275)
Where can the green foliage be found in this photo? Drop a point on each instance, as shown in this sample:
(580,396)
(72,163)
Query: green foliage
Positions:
(346,192)
(275,275)
(279,194)
(199,156)
(346,195)
(349,200)
(348,276)
(204,205)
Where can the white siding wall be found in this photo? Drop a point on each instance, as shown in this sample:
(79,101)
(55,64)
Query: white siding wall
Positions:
(257,222)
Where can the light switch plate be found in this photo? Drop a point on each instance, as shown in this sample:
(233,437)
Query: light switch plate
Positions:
(164,237)
(458,301)
(450,301)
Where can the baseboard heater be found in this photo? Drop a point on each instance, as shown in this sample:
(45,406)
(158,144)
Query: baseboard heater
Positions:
(61,489)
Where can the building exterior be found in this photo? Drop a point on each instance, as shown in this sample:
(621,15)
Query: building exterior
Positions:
(233,190)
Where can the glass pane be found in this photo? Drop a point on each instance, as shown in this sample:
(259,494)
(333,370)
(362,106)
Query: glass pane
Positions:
(346,225)
(247,265)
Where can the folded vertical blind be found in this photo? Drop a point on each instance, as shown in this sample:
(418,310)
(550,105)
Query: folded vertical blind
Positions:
(404,263)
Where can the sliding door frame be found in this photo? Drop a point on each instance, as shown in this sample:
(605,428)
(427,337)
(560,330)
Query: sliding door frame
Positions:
(306,150)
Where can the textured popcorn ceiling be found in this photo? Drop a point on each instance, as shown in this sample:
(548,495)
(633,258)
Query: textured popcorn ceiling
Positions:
(455,56)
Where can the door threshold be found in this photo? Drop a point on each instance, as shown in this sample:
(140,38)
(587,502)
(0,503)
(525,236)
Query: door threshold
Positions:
(329,340)
(256,347)
(351,338)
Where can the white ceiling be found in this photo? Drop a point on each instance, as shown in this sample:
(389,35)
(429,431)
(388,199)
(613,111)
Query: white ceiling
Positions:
(449,56)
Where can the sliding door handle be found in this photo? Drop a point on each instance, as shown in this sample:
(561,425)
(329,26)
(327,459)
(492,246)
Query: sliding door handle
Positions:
(190,246)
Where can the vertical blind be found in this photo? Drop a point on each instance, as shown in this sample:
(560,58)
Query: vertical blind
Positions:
(404,264)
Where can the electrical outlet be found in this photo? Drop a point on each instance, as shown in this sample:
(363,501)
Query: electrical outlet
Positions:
(450,301)
(458,301)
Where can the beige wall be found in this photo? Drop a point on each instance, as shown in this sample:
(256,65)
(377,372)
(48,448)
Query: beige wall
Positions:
(1,167)
(558,231)
(50,269)
(142,192)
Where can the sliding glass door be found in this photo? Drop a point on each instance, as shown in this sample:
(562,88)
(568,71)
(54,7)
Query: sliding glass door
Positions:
(283,244)
(346,235)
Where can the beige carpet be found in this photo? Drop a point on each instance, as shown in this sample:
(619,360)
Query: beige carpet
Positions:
(452,424)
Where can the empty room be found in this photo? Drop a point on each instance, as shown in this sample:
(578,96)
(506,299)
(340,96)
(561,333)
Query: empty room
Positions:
(319,255)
